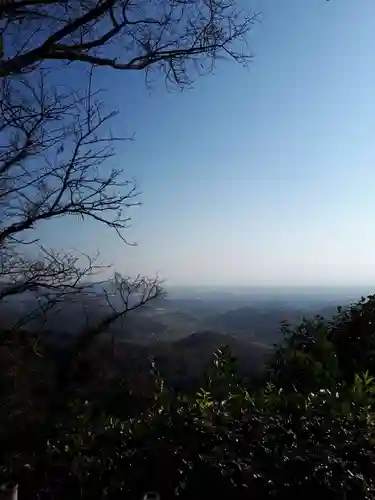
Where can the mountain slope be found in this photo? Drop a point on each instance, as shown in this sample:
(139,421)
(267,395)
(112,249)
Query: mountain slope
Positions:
(262,324)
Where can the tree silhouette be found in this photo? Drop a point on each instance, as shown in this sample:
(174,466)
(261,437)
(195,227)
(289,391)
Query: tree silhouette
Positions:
(172,35)
(55,139)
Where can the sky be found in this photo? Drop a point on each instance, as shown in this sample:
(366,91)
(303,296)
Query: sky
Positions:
(255,176)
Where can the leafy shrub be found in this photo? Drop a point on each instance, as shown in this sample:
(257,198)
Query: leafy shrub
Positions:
(308,432)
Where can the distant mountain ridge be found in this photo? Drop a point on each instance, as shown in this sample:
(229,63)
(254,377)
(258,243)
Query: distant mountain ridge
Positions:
(171,319)
(180,333)
(263,324)
(183,363)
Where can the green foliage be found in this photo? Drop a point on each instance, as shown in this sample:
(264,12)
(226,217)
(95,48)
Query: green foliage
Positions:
(353,333)
(307,432)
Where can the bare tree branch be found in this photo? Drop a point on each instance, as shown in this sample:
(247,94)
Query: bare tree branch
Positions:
(61,131)
(54,144)
(126,295)
(129,294)
(124,35)
(56,147)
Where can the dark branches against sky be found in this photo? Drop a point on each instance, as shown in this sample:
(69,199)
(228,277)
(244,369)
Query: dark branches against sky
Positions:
(55,139)
(122,34)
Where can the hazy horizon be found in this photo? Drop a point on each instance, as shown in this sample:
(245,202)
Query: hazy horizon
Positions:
(261,176)
(334,293)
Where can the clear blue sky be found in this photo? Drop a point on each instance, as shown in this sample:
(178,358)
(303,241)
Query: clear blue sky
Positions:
(255,176)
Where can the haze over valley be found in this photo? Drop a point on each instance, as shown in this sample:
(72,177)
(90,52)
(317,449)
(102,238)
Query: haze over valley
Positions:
(183,329)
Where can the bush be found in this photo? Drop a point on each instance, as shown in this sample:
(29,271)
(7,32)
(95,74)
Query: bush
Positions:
(308,432)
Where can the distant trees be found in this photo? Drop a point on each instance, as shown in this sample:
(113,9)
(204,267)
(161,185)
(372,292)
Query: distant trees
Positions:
(55,139)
